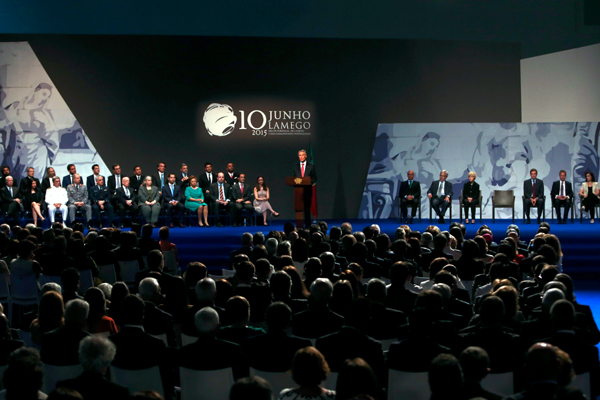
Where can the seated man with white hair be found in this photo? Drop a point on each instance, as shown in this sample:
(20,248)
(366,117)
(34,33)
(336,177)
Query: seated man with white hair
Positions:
(206,290)
(209,353)
(156,321)
(318,320)
(61,346)
(95,355)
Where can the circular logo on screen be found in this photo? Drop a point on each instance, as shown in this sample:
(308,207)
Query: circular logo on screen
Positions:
(219,119)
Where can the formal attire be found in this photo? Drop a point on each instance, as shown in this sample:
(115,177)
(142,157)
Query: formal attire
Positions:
(301,170)
(25,183)
(470,190)
(561,188)
(273,361)
(209,353)
(206,179)
(61,346)
(439,191)
(135,181)
(172,192)
(67,180)
(589,202)
(409,188)
(241,191)
(102,193)
(123,195)
(533,189)
(220,191)
(57,195)
(179,181)
(36,197)
(114,182)
(231,177)
(261,206)
(47,184)
(317,321)
(93,386)
(191,193)
(76,194)
(159,179)
(90,181)
(8,196)
(150,212)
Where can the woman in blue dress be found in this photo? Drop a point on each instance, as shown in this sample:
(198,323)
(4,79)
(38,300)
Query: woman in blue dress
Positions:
(194,200)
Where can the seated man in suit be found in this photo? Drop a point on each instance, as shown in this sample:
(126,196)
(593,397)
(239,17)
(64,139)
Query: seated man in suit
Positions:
(126,200)
(241,197)
(61,346)
(561,194)
(533,191)
(25,183)
(11,203)
(205,291)
(95,355)
(183,181)
(440,193)
(100,197)
(115,180)
(91,180)
(318,320)
(78,200)
(136,179)
(220,196)
(385,322)
(156,321)
(172,199)
(68,179)
(475,364)
(410,195)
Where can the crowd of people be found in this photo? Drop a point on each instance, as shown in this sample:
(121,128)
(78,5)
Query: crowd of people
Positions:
(314,301)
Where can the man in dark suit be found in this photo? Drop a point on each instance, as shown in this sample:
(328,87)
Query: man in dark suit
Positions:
(11,203)
(318,320)
(303,169)
(61,346)
(410,195)
(241,197)
(220,196)
(100,197)
(156,321)
(159,179)
(46,180)
(91,180)
(115,181)
(206,179)
(171,195)
(533,191)
(136,179)
(385,323)
(68,179)
(95,355)
(126,200)
(183,180)
(25,183)
(440,193)
(561,194)
(5,173)
(231,176)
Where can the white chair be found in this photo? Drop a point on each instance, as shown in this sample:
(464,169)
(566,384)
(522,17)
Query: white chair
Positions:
(128,270)
(185,339)
(5,293)
(386,343)
(86,280)
(25,336)
(420,279)
(469,288)
(408,385)
(207,385)
(215,277)
(278,380)
(163,337)
(582,382)
(331,381)
(138,379)
(170,266)
(501,383)
(54,374)
(43,279)
(227,273)
(107,273)
(24,291)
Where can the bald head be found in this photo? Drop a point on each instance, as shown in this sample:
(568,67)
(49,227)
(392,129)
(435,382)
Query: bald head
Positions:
(149,289)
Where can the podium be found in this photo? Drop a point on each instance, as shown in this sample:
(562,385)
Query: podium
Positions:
(299,184)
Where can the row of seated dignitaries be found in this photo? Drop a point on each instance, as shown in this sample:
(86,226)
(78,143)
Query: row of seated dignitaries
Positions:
(440,194)
(348,291)
(118,194)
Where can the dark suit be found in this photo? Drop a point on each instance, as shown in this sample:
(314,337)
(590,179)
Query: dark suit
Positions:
(385,323)
(256,354)
(102,193)
(93,386)
(470,190)
(181,183)
(167,197)
(529,193)
(236,194)
(213,195)
(61,346)
(122,198)
(317,321)
(172,287)
(231,179)
(309,170)
(158,322)
(25,184)
(209,353)
(556,203)
(67,180)
(438,203)
(9,205)
(414,354)
(135,183)
(46,184)
(156,180)
(204,183)
(90,181)
(111,182)
(414,189)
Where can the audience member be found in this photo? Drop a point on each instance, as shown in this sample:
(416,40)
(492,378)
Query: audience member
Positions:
(309,370)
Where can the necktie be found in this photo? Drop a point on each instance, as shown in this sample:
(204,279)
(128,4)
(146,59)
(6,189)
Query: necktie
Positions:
(440,189)
(242,188)
(127,192)
(162,180)
(562,188)
(138,177)
(533,188)
(302,169)
(221,197)
(209,177)
(409,184)
(10,189)
(172,194)
(118,179)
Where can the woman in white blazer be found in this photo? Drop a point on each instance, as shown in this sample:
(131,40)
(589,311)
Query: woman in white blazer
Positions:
(589,193)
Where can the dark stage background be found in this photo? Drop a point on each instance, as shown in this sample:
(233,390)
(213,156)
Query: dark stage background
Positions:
(141,99)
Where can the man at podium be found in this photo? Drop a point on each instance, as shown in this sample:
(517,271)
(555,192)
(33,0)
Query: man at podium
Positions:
(302,169)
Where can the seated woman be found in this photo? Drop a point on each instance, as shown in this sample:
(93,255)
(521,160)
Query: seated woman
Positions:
(98,321)
(34,199)
(589,193)
(50,316)
(470,197)
(194,200)
(309,370)
(149,201)
(261,199)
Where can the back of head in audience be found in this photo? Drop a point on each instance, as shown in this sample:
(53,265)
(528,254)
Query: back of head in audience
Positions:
(206,321)
(254,387)
(206,290)
(550,297)
(132,310)
(321,291)
(475,363)
(356,378)
(278,316)
(309,368)
(96,353)
(541,363)
(445,376)
(155,260)
(23,376)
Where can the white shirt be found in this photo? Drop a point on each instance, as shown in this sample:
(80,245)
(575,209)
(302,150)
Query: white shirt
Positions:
(562,189)
(56,195)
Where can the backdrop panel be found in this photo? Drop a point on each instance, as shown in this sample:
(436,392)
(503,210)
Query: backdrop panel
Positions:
(501,154)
